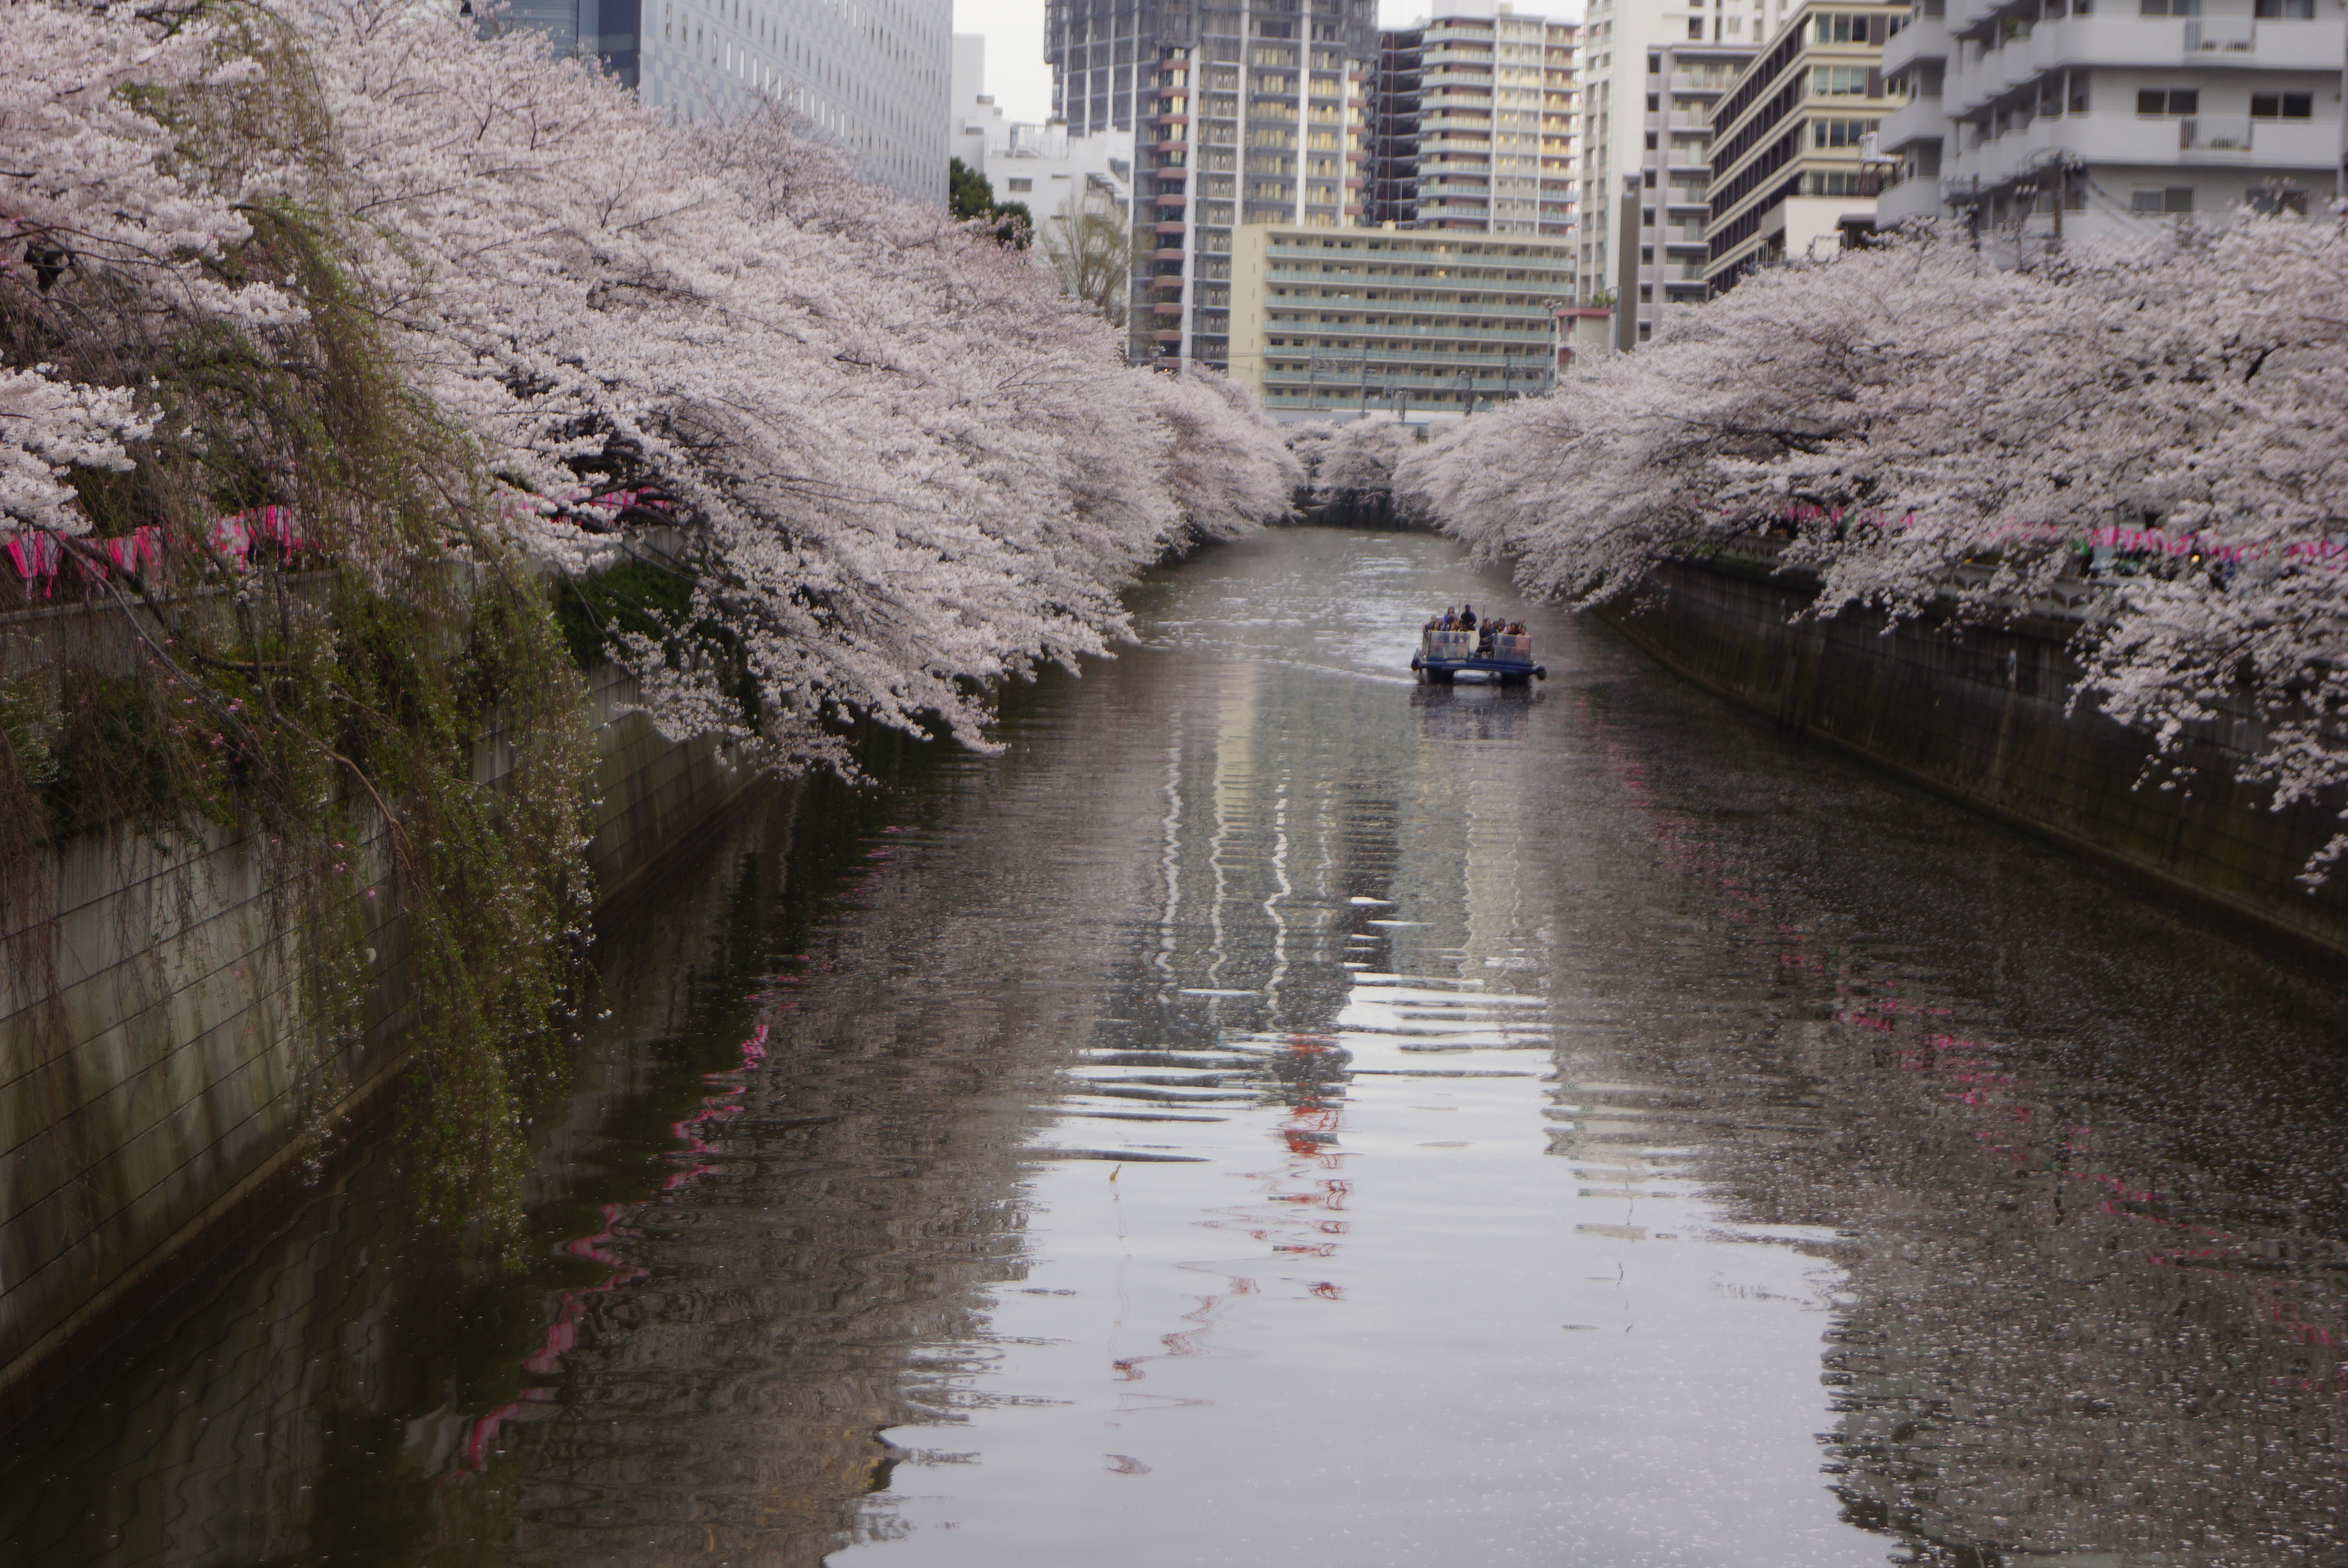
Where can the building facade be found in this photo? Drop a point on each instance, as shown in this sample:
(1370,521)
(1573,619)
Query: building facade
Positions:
(1102,53)
(1651,72)
(1343,320)
(1471,122)
(1259,120)
(2033,122)
(1794,166)
(875,81)
(1043,165)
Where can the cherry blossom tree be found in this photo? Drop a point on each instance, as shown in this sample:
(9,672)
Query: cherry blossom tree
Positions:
(91,204)
(904,466)
(1927,430)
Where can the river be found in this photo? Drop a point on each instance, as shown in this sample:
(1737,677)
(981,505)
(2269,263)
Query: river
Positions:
(1276,1113)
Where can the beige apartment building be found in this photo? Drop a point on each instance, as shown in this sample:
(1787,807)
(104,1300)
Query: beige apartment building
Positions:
(1794,165)
(1328,321)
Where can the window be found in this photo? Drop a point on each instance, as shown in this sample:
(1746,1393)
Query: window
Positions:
(1839,81)
(2269,201)
(2169,8)
(1021,184)
(2172,198)
(1839,132)
(2153,102)
(2282,105)
(1842,30)
(2079,83)
(2286,10)
(1695,29)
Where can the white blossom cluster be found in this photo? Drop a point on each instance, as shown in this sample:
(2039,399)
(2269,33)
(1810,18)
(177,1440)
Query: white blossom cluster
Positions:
(1931,430)
(907,466)
(1356,458)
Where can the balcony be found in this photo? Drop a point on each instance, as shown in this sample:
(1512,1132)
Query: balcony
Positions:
(2220,35)
(1919,120)
(2155,43)
(1925,38)
(2225,135)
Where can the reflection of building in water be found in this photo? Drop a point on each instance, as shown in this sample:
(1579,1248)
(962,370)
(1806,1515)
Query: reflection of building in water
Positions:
(1289,794)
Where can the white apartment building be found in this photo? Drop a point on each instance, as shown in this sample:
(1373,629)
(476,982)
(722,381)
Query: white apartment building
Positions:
(2033,121)
(1041,165)
(1472,120)
(1651,72)
(873,77)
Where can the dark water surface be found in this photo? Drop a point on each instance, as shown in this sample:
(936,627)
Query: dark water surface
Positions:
(1278,1113)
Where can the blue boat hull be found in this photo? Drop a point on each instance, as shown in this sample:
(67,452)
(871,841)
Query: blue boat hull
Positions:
(1506,671)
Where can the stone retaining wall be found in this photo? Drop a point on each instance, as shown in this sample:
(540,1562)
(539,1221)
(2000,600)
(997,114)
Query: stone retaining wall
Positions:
(1981,715)
(157,1090)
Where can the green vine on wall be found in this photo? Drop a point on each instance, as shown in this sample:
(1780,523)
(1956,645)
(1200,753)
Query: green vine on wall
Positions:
(340,709)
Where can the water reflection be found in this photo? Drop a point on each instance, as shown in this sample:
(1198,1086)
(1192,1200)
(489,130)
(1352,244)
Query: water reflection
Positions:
(1277,1110)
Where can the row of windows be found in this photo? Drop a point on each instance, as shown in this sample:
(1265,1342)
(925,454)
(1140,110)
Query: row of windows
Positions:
(2266,10)
(2166,102)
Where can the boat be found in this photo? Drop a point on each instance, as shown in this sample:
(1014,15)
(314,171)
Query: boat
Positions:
(1506,658)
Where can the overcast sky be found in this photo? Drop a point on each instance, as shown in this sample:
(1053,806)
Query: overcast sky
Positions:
(1022,83)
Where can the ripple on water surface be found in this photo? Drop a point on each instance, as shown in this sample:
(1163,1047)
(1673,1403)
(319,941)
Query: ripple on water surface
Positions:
(1278,1113)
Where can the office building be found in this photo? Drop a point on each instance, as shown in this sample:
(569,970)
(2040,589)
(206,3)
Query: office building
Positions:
(1259,120)
(1041,165)
(1341,319)
(2033,122)
(1651,72)
(1471,123)
(1793,165)
(875,81)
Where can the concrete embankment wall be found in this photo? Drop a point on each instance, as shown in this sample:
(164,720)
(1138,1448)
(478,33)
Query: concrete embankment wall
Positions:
(1985,716)
(159,1088)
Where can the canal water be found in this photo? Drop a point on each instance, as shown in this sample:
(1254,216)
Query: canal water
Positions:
(1275,1113)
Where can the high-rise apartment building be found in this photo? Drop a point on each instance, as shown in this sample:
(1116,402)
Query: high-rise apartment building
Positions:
(874,80)
(1471,123)
(1102,53)
(1256,119)
(2037,121)
(1793,139)
(1651,72)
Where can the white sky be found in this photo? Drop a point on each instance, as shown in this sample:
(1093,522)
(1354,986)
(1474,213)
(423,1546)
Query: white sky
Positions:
(1022,83)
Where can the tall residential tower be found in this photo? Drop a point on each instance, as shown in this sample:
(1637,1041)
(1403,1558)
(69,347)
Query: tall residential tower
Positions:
(1471,123)
(1651,72)
(1256,118)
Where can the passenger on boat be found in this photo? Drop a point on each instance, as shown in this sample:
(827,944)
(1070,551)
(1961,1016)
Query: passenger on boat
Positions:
(1467,619)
